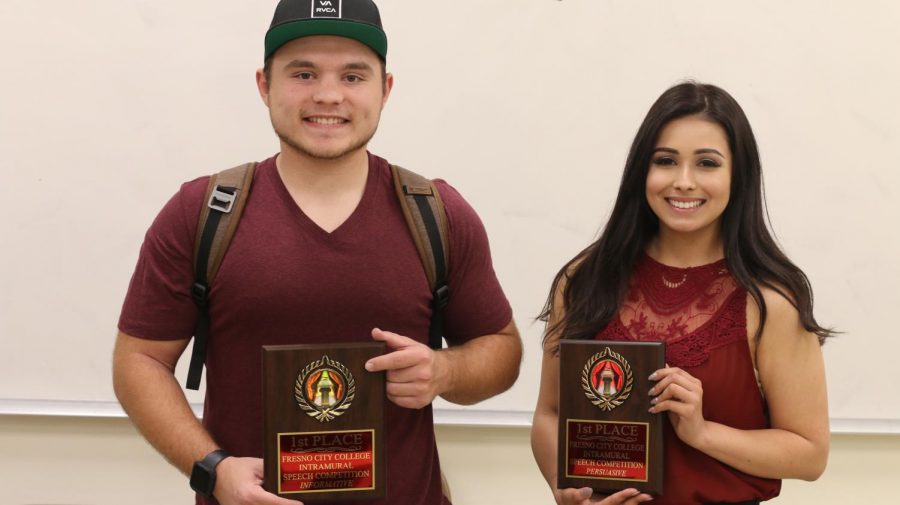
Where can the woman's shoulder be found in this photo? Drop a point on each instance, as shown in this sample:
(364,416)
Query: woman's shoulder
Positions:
(779,301)
(781,311)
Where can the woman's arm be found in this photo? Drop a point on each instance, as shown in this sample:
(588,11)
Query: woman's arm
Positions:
(544,427)
(544,430)
(792,372)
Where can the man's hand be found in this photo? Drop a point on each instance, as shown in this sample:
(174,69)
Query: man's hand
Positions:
(415,373)
(239,482)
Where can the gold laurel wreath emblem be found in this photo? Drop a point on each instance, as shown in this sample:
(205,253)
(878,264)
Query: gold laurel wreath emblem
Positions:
(604,403)
(324,414)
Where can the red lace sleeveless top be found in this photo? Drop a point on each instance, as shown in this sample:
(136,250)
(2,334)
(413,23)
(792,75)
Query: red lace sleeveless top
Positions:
(700,313)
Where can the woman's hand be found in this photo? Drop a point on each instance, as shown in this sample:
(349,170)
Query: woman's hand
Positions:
(681,395)
(585,496)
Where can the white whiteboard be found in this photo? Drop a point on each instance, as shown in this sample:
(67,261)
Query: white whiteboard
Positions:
(107,105)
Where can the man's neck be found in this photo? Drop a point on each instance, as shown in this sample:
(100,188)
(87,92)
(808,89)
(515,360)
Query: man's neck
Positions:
(327,191)
(305,174)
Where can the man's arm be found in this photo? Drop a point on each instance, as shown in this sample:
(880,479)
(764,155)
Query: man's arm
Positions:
(145,384)
(466,374)
(482,367)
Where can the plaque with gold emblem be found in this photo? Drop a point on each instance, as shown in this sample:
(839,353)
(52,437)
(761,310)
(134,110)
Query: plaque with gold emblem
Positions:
(608,440)
(324,422)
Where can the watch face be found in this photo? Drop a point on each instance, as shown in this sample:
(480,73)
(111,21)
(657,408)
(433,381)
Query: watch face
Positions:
(202,480)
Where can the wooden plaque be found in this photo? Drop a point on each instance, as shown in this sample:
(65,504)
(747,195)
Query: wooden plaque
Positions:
(608,440)
(324,422)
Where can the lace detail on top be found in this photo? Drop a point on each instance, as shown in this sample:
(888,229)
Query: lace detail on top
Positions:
(693,310)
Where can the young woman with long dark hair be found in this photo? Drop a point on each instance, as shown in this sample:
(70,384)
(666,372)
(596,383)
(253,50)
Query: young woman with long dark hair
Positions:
(687,258)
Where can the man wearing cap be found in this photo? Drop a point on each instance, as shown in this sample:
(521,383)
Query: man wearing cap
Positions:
(322,254)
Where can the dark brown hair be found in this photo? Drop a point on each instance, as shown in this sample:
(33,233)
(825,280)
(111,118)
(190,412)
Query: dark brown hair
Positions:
(597,279)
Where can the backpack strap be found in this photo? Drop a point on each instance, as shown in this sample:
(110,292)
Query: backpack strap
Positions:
(226,196)
(424,212)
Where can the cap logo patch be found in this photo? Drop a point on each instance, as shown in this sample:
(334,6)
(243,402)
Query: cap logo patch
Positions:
(326,9)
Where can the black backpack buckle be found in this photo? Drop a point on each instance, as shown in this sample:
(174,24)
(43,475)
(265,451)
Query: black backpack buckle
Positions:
(200,294)
(441,296)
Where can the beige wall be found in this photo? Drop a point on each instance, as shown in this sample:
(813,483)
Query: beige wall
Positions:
(100,121)
(102,116)
(101,461)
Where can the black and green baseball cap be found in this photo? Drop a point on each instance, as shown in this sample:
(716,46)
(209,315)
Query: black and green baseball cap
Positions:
(355,19)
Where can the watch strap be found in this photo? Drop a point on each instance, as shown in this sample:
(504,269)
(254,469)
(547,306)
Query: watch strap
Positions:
(203,475)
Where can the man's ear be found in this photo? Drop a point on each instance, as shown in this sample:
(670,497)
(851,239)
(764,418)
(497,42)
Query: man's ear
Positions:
(262,84)
(388,86)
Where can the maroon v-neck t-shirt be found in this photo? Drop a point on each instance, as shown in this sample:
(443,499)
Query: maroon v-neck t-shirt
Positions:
(284,280)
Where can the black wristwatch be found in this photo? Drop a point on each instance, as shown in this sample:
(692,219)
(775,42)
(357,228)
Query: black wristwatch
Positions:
(203,475)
